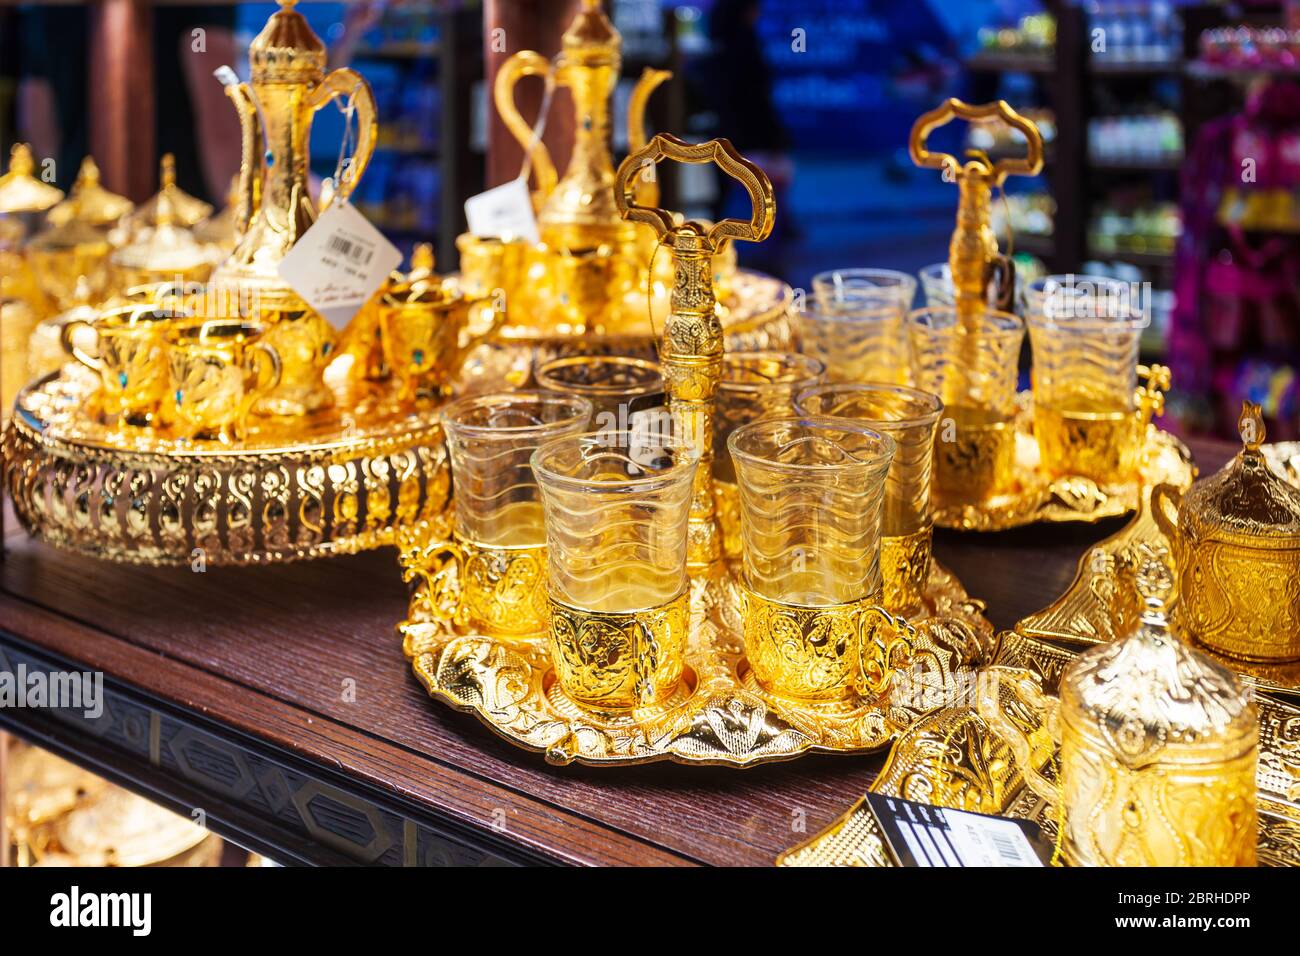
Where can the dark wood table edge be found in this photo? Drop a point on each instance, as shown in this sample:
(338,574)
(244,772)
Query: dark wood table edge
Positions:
(131,751)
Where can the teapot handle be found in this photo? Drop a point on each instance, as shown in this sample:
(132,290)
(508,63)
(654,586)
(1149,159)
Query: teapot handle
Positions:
(349,83)
(263,363)
(1032,749)
(650,80)
(1162,496)
(524,63)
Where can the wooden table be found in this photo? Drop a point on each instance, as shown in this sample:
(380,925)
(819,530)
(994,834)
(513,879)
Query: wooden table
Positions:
(277,702)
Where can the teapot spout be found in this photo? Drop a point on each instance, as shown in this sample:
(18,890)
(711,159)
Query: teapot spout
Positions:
(249,190)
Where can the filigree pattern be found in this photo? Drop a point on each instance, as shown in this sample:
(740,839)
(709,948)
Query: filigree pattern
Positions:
(718,715)
(83,486)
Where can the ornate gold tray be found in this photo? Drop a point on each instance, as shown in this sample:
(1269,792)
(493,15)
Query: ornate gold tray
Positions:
(1039,498)
(335,482)
(719,716)
(756,316)
(952,758)
(1100,604)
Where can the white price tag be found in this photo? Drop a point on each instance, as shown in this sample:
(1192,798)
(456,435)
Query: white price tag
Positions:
(503,212)
(338,263)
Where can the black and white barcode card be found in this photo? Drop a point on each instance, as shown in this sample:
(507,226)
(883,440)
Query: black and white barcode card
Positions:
(921,835)
(339,262)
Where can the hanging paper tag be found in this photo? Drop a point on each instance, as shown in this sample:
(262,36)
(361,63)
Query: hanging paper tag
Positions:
(339,262)
(503,212)
(918,834)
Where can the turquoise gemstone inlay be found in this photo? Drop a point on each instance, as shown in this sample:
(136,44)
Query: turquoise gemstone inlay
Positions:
(121,379)
(179,395)
(418,356)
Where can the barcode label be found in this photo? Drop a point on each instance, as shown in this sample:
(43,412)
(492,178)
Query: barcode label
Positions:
(922,835)
(357,252)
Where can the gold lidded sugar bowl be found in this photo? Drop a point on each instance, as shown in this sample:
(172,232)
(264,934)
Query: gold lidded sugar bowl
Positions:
(1158,745)
(1236,544)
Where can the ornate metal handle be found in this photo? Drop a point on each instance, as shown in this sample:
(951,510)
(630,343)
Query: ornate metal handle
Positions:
(1030,165)
(352,85)
(880,656)
(524,63)
(717,151)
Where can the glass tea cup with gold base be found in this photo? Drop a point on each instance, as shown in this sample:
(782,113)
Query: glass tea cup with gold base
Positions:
(1158,745)
(499,537)
(910,417)
(619,387)
(753,386)
(811,495)
(219,370)
(421,326)
(617,506)
(972,364)
(1084,332)
(858,325)
(130,356)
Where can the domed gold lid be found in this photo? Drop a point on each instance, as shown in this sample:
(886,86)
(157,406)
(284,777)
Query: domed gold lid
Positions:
(1246,501)
(1149,696)
(186,210)
(20,190)
(287,50)
(163,246)
(591,39)
(90,201)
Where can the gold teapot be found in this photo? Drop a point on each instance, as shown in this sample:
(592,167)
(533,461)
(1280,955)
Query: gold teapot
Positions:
(71,262)
(1235,537)
(1158,745)
(578,212)
(90,201)
(288,85)
(591,260)
(21,193)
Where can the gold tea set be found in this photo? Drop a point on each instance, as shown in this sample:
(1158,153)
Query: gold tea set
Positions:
(703,546)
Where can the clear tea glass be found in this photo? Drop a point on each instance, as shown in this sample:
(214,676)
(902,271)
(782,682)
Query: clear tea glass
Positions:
(857,324)
(618,386)
(1084,332)
(974,369)
(491,439)
(910,417)
(616,508)
(811,496)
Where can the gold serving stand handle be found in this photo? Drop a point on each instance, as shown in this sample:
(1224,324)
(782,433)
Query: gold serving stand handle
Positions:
(973,254)
(525,63)
(692,346)
(352,86)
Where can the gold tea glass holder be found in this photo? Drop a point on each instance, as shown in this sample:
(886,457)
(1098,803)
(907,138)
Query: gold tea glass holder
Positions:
(546,692)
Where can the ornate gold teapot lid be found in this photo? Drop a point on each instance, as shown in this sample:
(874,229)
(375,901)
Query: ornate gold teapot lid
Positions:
(90,201)
(1150,695)
(287,50)
(421,285)
(186,210)
(20,190)
(73,234)
(1245,501)
(591,39)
